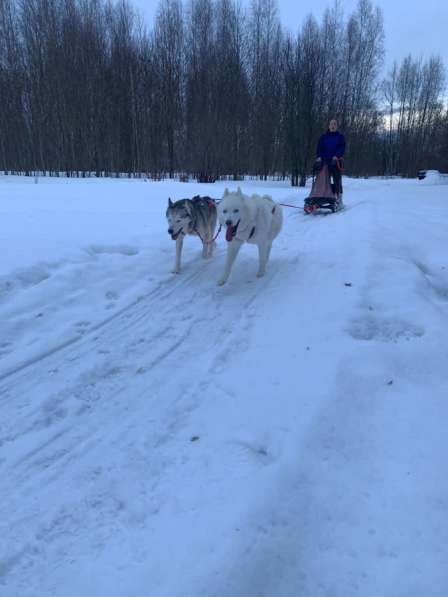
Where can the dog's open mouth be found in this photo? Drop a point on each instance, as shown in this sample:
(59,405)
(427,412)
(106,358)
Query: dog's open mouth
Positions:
(176,234)
(231,231)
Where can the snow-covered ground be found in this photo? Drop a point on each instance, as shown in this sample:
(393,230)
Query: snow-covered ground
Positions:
(164,437)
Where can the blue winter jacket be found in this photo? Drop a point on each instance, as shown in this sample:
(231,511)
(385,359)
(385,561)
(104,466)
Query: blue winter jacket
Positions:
(330,145)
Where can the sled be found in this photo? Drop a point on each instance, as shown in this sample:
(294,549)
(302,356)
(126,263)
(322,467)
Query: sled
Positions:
(322,195)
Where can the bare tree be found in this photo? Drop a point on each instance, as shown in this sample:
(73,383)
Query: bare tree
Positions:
(200,90)
(210,90)
(264,57)
(231,90)
(168,53)
(414,94)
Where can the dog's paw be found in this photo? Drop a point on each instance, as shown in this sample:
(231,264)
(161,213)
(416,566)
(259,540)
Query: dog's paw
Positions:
(260,274)
(222,281)
(175,271)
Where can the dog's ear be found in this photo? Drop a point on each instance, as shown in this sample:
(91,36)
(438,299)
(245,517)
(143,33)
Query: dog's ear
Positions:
(170,203)
(226,192)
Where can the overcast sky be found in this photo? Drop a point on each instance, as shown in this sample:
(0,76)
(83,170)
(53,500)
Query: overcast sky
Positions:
(411,26)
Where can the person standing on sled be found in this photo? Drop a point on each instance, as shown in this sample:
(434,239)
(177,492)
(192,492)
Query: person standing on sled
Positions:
(330,151)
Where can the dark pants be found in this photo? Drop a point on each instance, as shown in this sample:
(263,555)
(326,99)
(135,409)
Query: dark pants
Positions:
(334,172)
(336,178)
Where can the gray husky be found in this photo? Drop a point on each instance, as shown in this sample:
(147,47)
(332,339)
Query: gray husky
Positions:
(195,216)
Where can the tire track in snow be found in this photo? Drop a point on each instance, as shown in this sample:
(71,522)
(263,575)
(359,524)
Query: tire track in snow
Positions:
(163,291)
(219,324)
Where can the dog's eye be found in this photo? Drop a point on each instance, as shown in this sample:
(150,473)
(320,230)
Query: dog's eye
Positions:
(235,211)
(178,221)
(224,211)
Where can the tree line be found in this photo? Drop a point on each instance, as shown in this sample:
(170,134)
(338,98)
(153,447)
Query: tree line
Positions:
(210,90)
(417,129)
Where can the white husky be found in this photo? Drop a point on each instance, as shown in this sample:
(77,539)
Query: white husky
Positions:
(256,220)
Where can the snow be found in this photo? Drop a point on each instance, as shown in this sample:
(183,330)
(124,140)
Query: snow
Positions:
(271,438)
(434,177)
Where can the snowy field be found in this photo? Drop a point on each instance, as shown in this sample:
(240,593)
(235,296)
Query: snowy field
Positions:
(164,437)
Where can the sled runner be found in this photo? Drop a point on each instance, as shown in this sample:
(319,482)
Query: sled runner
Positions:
(324,194)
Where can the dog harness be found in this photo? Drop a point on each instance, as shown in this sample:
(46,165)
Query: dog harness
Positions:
(252,232)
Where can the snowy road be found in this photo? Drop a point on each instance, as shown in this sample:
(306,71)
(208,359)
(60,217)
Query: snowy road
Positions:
(163,437)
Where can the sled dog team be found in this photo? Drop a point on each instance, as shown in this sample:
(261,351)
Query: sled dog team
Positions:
(256,220)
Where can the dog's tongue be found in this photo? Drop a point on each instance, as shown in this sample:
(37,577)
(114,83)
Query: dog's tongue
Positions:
(229,233)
